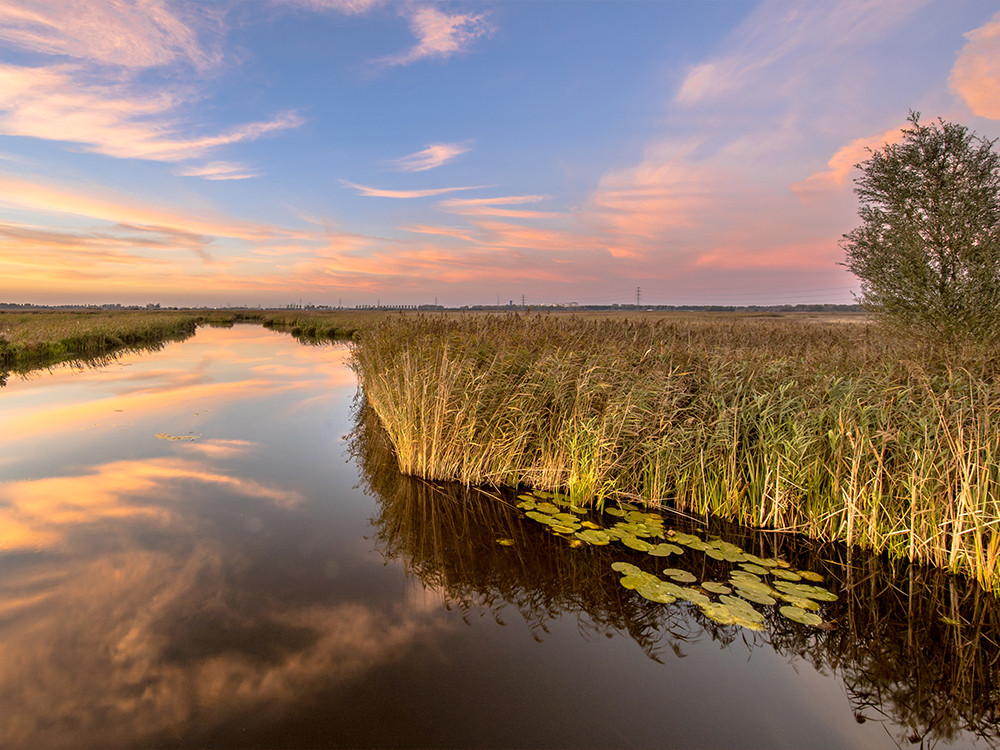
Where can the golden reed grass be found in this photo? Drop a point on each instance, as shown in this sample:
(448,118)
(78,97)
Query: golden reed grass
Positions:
(833,430)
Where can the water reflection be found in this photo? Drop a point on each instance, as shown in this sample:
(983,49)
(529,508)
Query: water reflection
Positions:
(156,592)
(897,649)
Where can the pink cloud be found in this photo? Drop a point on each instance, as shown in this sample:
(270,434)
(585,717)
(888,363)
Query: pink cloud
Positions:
(839,167)
(435,155)
(440,35)
(54,104)
(218,170)
(372,192)
(132,35)
(976,73)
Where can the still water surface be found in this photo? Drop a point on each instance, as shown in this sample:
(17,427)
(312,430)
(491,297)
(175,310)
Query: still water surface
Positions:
(271,581)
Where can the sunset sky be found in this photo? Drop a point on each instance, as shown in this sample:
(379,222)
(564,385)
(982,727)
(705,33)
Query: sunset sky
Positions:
(245,152)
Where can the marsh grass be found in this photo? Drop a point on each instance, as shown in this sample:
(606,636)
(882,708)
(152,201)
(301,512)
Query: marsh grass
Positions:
(826,429)
(916,648)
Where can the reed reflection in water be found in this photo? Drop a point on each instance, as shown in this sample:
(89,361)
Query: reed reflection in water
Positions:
(915,649)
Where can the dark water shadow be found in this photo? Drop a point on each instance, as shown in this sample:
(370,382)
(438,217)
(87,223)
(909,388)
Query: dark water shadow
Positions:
(915,648)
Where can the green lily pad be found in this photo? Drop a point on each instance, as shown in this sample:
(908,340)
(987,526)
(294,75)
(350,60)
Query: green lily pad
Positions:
(806,590)
(544,494)
(665,549)
(565,517)
(694,596)
(527,505)
(625,567)
(614,511)
(526,497)
(681,538)
(535,515)
(786,575)
(756,597)
(681,576)
(547,508)
(810,575)
(715,554)
(797,614)
(636,543)
(563,529)
(596,537)
(719,613)
(756,569)
(589,525)
(799,601)
(656,591)
(742,607)
(714,587)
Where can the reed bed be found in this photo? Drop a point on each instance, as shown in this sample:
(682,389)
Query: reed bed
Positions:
(917,649)
(40,338)
(832,430)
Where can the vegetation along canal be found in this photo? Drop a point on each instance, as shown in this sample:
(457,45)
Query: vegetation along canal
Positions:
(210,545)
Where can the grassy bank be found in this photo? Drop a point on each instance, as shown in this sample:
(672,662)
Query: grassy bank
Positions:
(822,428)
(40,338)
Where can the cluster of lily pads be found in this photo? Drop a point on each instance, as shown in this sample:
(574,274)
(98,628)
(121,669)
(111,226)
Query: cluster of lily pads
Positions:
(753,580)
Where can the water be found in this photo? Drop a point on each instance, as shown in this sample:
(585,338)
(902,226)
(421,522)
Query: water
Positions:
(273,582)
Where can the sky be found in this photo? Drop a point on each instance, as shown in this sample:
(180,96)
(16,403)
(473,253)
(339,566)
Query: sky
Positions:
(363,152)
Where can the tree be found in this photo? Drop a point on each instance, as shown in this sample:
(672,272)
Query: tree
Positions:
(928,248)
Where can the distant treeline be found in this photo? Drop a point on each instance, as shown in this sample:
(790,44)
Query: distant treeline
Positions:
(828,308)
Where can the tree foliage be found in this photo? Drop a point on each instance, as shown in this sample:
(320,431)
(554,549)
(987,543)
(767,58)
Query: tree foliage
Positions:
(928,248)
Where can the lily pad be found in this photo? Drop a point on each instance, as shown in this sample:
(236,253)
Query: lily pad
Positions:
(786,575)
(665,549)
(693,595)
(715,554)
(535,515)
(806,590)
(719,613)
(810,575)
(527,505)
(681,538)
(656,591)
(797,614)
(636,543)
(681,576)
(589,525)
(545,494)
(547,508)
(559,529)
(624,567)
(529,498)
(614,512)
(596,537)
(756,569)
(714,587)
(800,601)
(742,608)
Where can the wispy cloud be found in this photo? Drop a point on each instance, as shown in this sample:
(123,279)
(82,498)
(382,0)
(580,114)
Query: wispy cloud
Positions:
(441,35)
(372,192)
(494,207)
(55,103)
(777,32)
(976,74)
(218,170)
(128,34)
(347,7)
(431,157)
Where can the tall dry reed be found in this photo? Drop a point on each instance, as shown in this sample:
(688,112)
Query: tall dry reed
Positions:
(831,430)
